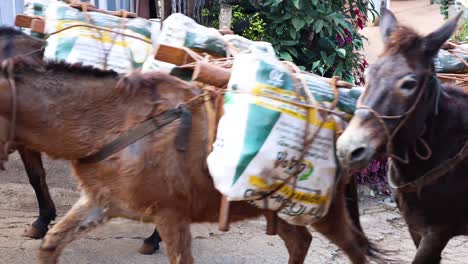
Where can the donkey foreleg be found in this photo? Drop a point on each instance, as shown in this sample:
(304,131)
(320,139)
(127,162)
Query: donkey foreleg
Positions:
(339,229)
(297,240)
(431,246)
(82,218)
(174,228)
(35,170)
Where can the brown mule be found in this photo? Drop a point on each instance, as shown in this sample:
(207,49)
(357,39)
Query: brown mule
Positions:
(422,125)
(14,43)
(70,112)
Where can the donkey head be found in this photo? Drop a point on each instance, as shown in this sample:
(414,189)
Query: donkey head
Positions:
(401,94)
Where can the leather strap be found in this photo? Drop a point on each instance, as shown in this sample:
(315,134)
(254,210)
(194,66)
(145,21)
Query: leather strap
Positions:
(435,173)
(132,135)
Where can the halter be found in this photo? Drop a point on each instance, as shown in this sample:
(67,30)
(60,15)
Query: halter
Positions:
(403,117)
(418,183)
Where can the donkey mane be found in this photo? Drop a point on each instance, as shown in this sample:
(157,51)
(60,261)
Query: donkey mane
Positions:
(401,40)
(27,63)
(11,32)
(79,68)
(128,83)
(6,31)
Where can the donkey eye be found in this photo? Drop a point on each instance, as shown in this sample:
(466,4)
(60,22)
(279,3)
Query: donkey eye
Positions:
(409,84)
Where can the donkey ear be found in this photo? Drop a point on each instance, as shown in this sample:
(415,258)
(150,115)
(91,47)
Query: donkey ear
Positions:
(388,23)
(436,39)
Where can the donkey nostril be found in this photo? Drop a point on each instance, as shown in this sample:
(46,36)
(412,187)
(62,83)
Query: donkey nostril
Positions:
(358,153)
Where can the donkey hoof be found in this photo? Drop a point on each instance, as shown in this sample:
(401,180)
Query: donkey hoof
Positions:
(33,232)
(148,249)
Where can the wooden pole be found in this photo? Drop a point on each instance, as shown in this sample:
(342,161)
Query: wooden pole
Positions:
(272,223)
(174,55)
(143,9)
(167,9)
(205,72)
(224,214)
(190,7)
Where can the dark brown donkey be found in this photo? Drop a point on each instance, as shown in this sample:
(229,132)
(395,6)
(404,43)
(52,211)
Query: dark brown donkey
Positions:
(13,43)
(71,112)
(423,126)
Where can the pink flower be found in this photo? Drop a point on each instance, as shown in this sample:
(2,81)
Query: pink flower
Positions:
(356,11)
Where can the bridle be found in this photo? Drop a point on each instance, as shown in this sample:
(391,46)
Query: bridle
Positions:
(403,117)
(434,173)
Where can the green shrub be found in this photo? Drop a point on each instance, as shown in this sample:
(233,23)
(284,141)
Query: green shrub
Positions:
(319,36)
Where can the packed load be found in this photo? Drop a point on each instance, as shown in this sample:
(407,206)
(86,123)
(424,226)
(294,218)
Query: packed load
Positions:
(259,154)
(275,140)
(451,64)
(260,140)
(93,38)
(452,61)
(83,42)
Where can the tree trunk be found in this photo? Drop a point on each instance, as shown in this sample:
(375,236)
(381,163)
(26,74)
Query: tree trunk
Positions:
(190,7)
(167,9)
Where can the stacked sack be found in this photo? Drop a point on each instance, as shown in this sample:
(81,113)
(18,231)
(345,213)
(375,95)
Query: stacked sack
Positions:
(260,140)
(260,135)
(180,31)
(85,43)
(94,47)
(447,62)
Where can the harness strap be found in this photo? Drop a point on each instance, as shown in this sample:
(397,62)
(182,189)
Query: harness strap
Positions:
(132,135)
(435,173)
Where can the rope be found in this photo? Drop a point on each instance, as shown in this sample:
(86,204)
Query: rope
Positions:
(404,117)
(97,27)
(425,145)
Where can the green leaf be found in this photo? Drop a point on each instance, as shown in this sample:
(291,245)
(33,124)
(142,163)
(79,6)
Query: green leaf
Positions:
(321,70)
(298,23)
(318,26)
(288,42)
(285,56)
(315,64)
(330,60)
(277,2)
(293,51)
(339,70)
(296,4)
(292,33)
(341,53)
(279,29)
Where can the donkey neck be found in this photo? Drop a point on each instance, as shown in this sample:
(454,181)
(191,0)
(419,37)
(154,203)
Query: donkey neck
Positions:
(70,115)
(445,134)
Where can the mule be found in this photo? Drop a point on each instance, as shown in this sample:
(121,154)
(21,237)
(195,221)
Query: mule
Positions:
(13,43)
(71,112)
(407,114)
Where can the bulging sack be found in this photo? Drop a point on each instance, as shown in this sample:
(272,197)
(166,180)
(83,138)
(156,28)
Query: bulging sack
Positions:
(90,46)
(260,140)
(449,63)
(180,31)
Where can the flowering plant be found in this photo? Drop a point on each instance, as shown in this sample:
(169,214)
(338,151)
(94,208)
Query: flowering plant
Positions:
(321,36)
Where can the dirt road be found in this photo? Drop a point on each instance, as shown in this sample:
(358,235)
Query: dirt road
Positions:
(118,241)
(418,14)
